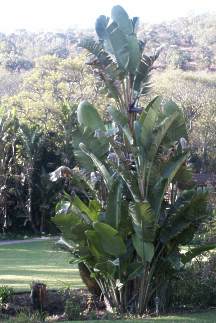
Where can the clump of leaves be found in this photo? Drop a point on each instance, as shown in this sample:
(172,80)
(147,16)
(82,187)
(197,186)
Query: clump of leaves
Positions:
(73,310)
(5,293)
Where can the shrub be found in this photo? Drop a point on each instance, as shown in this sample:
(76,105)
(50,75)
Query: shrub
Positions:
(73,310)
(196,285)
(5,293)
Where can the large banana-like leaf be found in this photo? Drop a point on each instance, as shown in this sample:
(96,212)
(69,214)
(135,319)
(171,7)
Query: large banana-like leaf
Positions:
(104,65)
(103,58)
(178,129)
(174,165)
(92,211)
(134,53)
(100,27)
(122,121)
(196,251)
(154,104)
(184,217)
(111,242)
(98,146)
(118,43)
(169,172)
(159,134)
(71,226)
(114,210)
(120,16)
(144,249)
(146,122)
(100,166)
(135,270)
(128,177)
(107,267)
(142,77)
(143,220)
(88,116)
(94,243)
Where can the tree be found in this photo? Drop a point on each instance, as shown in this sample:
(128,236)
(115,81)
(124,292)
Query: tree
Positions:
(53,83)
(129,233)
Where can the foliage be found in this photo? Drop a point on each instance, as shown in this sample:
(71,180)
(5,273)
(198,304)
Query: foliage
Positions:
(188,43)
(28,154)
(43,79)
(195,93)
(53,82)
(5,294)
(196,284)
(73,310)
(129,234)
(25,317)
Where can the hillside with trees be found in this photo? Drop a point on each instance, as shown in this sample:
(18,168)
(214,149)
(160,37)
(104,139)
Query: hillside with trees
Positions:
(188,43)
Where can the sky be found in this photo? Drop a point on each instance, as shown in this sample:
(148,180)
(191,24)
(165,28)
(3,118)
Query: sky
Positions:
(57,15)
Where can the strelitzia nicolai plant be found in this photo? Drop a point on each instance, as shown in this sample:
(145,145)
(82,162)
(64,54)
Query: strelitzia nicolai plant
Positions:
(130,232)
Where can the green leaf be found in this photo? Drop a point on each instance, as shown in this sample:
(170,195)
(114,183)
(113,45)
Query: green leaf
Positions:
(71,226)
(95,208)
(160,133)
(95,244)
(111,242)
(174,165)
(135,270)
(184,217)
(178,129)
(155,105)
(100,26)
(98,146)
(134,52)
(106,267)
(168,174)
(144,249)
(120,16)
(92,212)
(194,252)
(142,78)
(118,43)
(122,121)
(143,220)
(100,166)
(127,176)
(88,116)
(147,123)
(113,210)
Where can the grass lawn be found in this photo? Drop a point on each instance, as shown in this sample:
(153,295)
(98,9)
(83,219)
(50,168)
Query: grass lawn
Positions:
(22,263)
(208,317)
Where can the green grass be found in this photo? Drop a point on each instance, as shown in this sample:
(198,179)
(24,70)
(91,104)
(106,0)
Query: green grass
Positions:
(208,317)
(205,317)
(22,263)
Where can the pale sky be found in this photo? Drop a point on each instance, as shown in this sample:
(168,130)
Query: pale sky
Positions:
(53,15)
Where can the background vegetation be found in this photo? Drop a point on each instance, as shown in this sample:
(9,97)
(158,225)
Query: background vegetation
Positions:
(42,80)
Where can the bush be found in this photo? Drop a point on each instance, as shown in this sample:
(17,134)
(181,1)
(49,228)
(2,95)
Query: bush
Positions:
(73,310)
(5,293)
(196,285)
